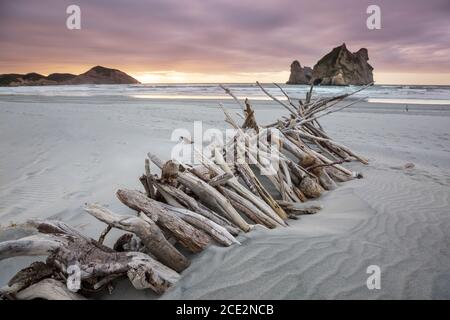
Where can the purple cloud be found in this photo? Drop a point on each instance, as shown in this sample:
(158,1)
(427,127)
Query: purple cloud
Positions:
(221,35)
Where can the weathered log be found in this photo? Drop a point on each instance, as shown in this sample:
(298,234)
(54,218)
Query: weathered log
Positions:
(48,289)
(191,238)
(244,192)
(149,233)
(249,209)
(337,175)
(299,194)
(265,195)
(223,202)
(299,209)
(192,204)
(208,195)
(303,157)
(220,179)
(26,277)
(325,180)
(201,172)
(35,245)
(169,199)
(94,260)
(217,232)
(248,182)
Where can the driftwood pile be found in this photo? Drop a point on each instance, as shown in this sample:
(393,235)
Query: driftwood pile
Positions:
(188,207)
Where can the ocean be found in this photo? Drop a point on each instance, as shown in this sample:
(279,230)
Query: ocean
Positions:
(401,94)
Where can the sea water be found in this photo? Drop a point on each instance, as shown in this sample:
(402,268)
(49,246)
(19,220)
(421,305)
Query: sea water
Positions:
(411,94)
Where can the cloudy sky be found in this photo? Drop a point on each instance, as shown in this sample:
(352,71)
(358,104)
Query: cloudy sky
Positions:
(224,40)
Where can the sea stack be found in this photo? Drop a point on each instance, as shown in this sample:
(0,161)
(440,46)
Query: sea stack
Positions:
(299,75)
(342,67)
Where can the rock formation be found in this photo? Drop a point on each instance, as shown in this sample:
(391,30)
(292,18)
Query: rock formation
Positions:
(299,75)
(96,75)
(341,67)
(61,77)
(13,79)
(102,75)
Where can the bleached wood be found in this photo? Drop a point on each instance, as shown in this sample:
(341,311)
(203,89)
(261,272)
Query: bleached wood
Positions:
(209,195)
(217,232)
(190,237)
(48,289)
(149,233)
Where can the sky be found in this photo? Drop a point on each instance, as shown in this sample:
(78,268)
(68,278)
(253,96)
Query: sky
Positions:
(224,40)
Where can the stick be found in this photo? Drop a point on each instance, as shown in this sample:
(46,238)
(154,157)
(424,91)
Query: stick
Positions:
(228,91)
(103,234)
(286,95)
(275,99)
(151,189)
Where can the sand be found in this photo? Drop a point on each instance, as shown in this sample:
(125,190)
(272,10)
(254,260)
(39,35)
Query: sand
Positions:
(59,153)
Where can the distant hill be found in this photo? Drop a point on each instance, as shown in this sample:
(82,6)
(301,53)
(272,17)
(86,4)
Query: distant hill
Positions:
(61,77)
(95,75)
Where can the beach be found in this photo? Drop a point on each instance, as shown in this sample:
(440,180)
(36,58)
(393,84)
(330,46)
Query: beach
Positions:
(62,151)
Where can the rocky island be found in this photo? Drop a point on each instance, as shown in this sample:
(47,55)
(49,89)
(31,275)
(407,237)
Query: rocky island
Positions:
(299,74)
(338,67)
(95,75)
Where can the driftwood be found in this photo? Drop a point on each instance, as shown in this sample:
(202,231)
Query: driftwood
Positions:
(217,232)
(194,205)
(48,289)
(239,188)
(149,181)
(190,237)
(249,209)
(188,202)
(299,209)
(26,277)
(65,247)
(149,233)
(208,195)
(265,195)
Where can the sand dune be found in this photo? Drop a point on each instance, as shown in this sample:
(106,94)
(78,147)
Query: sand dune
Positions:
(62,152)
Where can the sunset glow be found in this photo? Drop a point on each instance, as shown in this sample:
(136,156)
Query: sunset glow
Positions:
(168,41)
